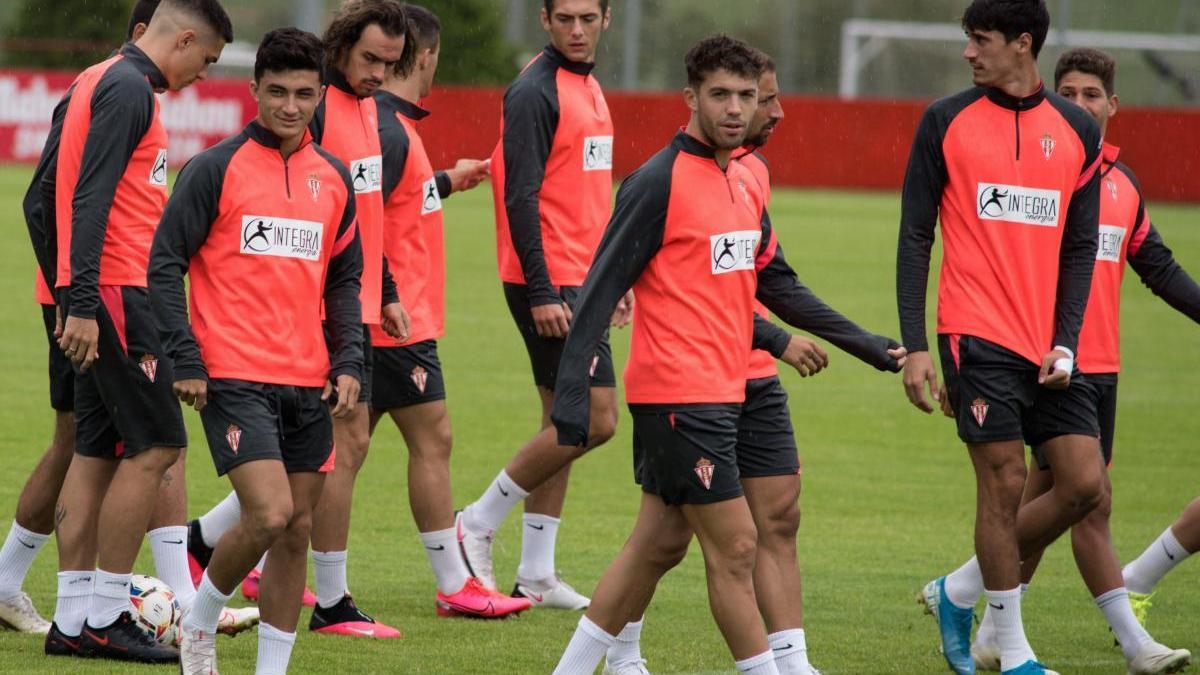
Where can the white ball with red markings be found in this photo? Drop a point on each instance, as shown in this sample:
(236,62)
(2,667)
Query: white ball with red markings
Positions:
(155,608)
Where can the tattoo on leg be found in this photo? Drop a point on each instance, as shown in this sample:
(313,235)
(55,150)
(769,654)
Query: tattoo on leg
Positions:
(60,513)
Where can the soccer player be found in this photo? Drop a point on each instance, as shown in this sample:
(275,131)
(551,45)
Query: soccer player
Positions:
(552,184)
(407,383)
(263,224)
(109,190)
(1086,77)
(1012,170)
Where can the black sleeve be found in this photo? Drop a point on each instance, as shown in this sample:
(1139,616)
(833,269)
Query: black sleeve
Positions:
(770,337)
(1159,271)
(444,186)
(530,120)
(632,238)
(343,282)
(785,295)
(1077,257)
(122,110)
(186,222)
(316,126)
(924,182)
(41,217)
(393,140)
(389,294)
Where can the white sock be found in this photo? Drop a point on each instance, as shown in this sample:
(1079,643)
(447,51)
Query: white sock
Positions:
(206,608)
(74,598)
(169,546)
(486,514)
(329,570)
(449,568)
(627,647)
(110,597)
(763,664)
(790,651)
(274,650)
(987,625)
(1131,635)
(262,563)
(1010,632)
(539,533)
(20,548)
(1161,557)
(965,584)
(587,646)
(219,519)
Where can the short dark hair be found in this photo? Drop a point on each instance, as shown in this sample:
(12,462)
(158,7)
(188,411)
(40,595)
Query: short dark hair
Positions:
(549,5)
(143,11)
(209,11)
(1013,18)
(721,52)
(286,49)
(425,26)
(352,19)
(1091,62)
(768,63)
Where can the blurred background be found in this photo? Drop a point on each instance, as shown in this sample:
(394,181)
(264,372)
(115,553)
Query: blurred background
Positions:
(863,48)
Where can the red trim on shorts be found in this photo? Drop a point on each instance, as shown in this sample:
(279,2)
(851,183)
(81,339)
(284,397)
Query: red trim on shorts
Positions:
(119,449)
(954,348)
(115,304)
(328,465)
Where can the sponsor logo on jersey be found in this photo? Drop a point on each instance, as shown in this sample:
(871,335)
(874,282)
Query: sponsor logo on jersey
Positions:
(233,436)
(1048,145)
(420,377)
(734,251)
(597,153)
(158,170)
(149,366)
(1016,204)
(314,186)
(1110,246)
(979,409)
(704,471)
(367,174)
(281,237)
(430,199)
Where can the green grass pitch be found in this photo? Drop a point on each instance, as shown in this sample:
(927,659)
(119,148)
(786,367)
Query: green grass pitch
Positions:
(888,494)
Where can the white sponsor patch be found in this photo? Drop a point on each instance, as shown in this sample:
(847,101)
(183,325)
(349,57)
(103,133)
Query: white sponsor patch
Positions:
(430,199)
(1016,204)
(1111,239)
(281,237)
(734,251)
(597,153)
(158,171)
(367,174)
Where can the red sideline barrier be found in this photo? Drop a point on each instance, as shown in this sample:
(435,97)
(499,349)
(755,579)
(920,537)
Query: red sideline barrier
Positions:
(823,142)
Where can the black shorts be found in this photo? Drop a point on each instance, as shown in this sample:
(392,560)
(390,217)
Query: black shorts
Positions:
(123,403)
(766,444)
(1087,407)
(992,390)
(686,454)
(364,393)
(406,376)
(62,377)
(246,421)
(545,353)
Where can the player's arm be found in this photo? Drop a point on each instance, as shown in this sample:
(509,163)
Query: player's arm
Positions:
(924,181)
(784,294)
(38,204)
(343,312)
(1155,264)
(465,175)
(803,354)
(530,120)
(632,238)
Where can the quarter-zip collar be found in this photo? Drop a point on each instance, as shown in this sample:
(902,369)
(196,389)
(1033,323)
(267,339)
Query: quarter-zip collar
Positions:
(335,79)
(405,107)
(145,65)
(1015,103)
(685,142)
(559,59)
(1109,154)
(266,138)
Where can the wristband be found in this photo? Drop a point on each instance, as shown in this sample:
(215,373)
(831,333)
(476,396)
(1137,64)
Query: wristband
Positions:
(1067,364)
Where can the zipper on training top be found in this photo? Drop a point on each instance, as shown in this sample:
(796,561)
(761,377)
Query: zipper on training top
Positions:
(287,181)
(1017,117)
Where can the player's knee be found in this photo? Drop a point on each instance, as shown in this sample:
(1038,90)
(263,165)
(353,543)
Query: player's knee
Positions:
(737,555)
(156,461)
(1084,495)
(603,427)
(669,552)
(779,531)
(298,531)
(265,525)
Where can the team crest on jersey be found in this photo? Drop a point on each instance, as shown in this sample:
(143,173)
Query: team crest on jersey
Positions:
(1048,145)
(149,366)
(1112,187)
(420,377)
(979,409)
(233,436)
(314,186)
(745,192)
(158,171)
(704,471)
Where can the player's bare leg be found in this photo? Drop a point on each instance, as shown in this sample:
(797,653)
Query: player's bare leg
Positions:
(75,521)
(1078,471)
(1172,547)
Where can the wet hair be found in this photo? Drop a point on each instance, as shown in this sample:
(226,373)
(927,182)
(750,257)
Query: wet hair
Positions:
(209,11)
(721,52)
(549,6)
(143,11)
(425,26)
(1013,18)
(286,49)
(352,19)
(1091,62)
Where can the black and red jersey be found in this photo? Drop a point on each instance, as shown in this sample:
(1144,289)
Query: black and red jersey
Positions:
(551,175)
(264,241)
(1016,184)
(39,207)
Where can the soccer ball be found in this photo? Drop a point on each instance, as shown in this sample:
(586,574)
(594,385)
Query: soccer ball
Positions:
(155,609)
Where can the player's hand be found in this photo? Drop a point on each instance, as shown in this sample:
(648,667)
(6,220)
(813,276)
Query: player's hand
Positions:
(897,355)
(394,321)
(805,356)
(624,311)
(553,320)
(919,370)
(192,392)
(1052,375)
(348,388)
(58,321)
(80,341)
(468,173)
(945,400)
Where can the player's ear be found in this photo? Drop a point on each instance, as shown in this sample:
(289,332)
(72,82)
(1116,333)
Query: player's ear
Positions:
(689,97)
(1113,104)
(545,16)
(254,90)
(186,38)
(607,19)
(1025,43)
